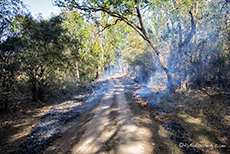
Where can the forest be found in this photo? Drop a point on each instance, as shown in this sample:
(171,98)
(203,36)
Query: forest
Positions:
(172,56)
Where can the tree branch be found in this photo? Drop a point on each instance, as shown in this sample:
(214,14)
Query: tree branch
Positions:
(112,13)
(6,20)
(130,12)
(109,25)
(140,18)
(190,35)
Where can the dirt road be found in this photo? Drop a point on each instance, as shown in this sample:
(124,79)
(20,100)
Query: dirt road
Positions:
(113,123)
(112,128)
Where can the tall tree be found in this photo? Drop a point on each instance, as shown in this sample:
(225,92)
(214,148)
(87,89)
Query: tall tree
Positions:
(76,30)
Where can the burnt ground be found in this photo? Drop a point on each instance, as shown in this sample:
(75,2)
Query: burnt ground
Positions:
(27,120)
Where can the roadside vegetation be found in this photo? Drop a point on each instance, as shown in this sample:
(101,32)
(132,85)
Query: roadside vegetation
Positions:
(179,48)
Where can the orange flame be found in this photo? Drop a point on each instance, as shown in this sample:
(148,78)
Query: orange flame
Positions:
(95,81)
(125,76)
(88,98)
(92,94)
(144,103)
(134,94)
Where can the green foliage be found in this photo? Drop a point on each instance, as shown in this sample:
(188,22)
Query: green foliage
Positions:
(8,10)
(180,29)
(138,55)
(42,45)
(92,49)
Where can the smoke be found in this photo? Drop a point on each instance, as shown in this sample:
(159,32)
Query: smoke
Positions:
(202,60)
(119,68)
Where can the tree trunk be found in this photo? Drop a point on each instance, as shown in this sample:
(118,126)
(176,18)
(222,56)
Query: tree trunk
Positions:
(6,102)
(37,89)
(190,35)
(180,32)
(77,72)
(88,47)
(40,91)
(102,58)
(145,36)
(171,85)
(97,75)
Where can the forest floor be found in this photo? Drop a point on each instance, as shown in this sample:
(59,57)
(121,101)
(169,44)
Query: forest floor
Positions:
(23,115)
(17,123)
(115,123)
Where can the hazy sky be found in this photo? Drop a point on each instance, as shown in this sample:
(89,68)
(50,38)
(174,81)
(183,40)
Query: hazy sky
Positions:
(41,6)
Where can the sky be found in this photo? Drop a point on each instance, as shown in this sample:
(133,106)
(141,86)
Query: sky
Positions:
(41,6)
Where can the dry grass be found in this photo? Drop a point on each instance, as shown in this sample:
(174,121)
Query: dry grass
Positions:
(205,118)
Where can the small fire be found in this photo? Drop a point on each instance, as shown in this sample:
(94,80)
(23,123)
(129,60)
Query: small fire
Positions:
(134,94)
(126,76)
(140,99)
(92,94)
(95,81)
(144,103)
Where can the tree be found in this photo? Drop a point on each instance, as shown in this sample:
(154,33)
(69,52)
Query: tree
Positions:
(91,50)
(192,30)
(76,30)
(42,51)
(8,10)
(10,46)
(9,67)
(121,10)
(175,23)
